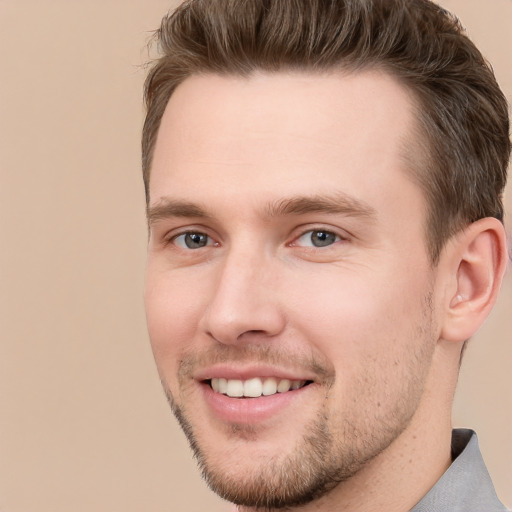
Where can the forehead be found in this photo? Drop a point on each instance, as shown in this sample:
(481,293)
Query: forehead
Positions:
(283,133)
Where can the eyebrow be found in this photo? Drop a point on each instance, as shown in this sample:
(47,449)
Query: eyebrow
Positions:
(167,208)
(339,203)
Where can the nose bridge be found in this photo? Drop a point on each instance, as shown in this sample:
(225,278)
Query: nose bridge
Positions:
(244,300)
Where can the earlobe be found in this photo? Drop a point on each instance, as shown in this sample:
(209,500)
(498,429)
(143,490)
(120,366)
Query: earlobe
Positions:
(478,259)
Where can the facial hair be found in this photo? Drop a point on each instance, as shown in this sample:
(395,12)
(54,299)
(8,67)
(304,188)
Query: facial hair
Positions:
(336,444)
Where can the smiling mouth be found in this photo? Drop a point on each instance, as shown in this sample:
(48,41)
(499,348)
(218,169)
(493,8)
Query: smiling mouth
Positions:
(256,387)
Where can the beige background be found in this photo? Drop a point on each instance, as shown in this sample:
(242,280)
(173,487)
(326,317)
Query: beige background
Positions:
(83,423)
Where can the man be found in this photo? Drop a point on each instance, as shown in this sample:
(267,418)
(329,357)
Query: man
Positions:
(324,184)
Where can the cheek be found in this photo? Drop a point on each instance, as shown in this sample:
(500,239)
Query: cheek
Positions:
(172,313)
(378,338)
(354,316)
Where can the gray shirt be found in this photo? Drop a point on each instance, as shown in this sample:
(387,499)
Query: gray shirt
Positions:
(466,486)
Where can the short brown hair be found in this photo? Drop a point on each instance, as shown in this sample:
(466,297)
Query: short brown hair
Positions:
(462,113)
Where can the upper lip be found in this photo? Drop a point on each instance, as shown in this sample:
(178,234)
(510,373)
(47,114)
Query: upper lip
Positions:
(245,372)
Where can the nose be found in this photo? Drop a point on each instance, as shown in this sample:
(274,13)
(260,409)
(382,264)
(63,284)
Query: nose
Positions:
(244,305)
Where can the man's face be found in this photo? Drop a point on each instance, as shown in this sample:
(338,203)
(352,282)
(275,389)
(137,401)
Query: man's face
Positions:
(287,262)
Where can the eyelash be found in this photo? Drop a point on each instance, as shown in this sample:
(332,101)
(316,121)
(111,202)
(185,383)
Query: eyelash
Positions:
(172,239)
(329,237)
(318,229)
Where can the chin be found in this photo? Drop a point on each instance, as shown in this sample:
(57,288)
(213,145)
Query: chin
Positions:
(266,474)
(250,470)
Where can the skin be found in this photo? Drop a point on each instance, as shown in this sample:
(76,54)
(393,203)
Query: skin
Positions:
(256,166)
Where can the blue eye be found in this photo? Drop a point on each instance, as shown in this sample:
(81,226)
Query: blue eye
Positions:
(318,238)
(192,240)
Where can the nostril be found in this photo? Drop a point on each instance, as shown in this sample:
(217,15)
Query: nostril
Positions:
(252,332)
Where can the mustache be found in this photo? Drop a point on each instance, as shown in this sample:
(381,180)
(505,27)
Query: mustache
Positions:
(255,354)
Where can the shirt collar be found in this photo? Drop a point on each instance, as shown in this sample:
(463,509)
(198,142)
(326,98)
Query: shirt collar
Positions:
(466,485)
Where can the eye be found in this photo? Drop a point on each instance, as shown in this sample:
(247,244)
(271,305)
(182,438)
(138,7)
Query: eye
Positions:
(192,240)
(317,238)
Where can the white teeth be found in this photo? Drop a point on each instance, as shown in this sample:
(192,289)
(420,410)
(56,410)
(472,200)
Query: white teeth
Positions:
(223,385)
(270,387)
(235,388)
(254,388)
(283,386)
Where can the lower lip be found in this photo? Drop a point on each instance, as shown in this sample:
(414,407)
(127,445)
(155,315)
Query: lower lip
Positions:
(249,410)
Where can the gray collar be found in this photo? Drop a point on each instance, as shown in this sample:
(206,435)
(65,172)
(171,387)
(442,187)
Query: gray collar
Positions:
(466,486)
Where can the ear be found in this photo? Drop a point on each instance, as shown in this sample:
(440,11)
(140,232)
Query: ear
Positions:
(476,260)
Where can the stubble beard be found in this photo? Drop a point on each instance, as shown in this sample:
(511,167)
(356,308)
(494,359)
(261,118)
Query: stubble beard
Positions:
(301,477)
(331,451)
(322,460)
